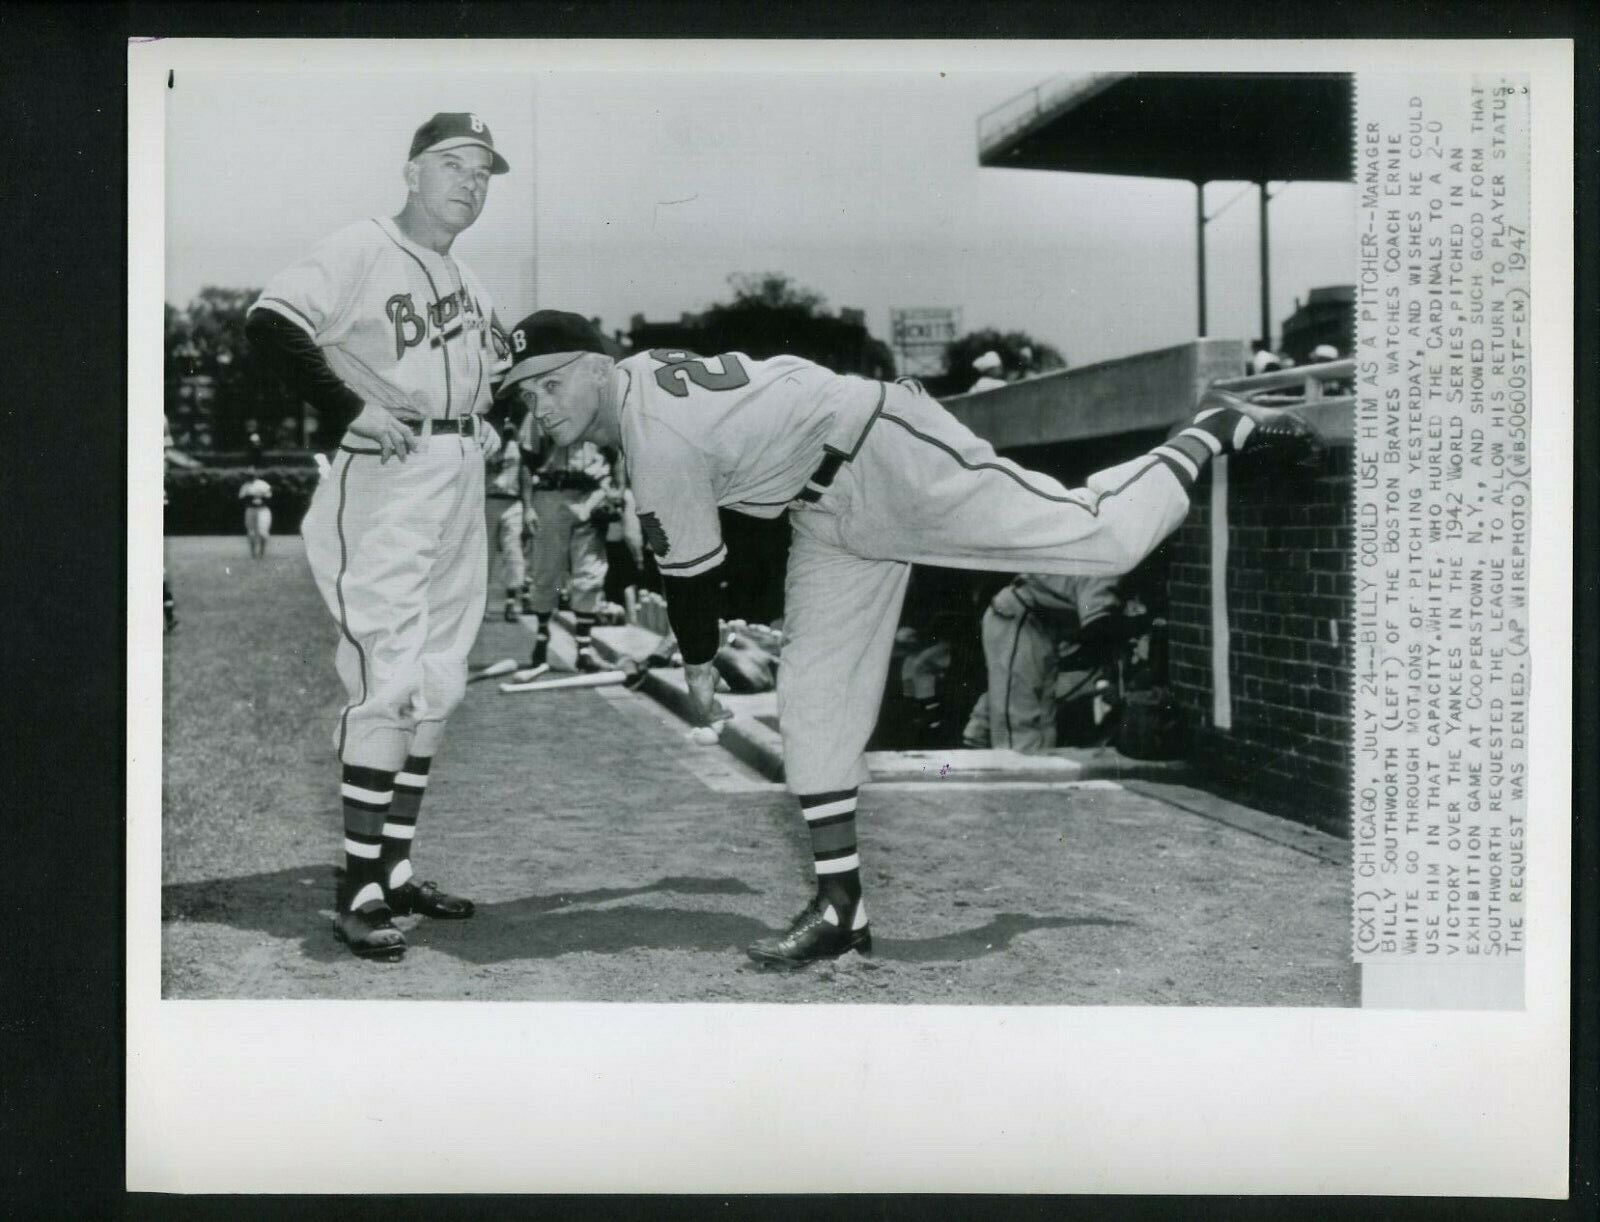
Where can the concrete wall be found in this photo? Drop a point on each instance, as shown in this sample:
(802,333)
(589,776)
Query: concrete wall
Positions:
(1144,391)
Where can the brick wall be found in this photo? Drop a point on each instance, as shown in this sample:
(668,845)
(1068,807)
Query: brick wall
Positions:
(1290,607)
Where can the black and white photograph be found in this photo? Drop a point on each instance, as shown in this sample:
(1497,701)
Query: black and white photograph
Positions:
(815,544)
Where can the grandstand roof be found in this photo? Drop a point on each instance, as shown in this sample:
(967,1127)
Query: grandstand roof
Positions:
(1203,127)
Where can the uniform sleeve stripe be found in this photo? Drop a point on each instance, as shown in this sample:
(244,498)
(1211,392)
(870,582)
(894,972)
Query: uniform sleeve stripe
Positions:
(281,307)
(699,564)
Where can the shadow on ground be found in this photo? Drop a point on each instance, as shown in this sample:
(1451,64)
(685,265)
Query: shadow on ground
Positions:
(297,904)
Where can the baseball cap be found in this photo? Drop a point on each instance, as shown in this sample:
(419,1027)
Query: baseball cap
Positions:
(988,361)
(1324,352)
(546,340)
(448,130)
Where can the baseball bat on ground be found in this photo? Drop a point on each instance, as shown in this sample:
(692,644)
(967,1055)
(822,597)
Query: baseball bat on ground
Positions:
(494,670)
(599,678)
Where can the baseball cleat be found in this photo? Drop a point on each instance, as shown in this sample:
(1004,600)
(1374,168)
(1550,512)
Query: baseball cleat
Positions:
(513,612)
(811,937)
(1284,429)
(587,663)
(529,673)
(369,932)
(425,899)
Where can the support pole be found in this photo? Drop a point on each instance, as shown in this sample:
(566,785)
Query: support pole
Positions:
(1266,274)
(1200,251)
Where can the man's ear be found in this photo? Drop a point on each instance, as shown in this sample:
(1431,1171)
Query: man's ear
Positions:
(409,174)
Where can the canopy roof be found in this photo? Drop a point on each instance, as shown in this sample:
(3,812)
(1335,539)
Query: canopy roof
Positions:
(1203,127)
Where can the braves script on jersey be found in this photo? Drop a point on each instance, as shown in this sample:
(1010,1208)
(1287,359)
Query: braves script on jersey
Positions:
(728,430)
(402,326)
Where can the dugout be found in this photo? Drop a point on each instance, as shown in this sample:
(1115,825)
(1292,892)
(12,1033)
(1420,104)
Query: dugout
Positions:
(1256,585)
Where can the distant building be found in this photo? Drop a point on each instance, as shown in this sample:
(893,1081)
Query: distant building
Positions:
(1327,316)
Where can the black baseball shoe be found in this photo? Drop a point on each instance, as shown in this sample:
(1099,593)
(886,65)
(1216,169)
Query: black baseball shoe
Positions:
(425,899)
(811,937)
(368,931)
(586,662)
(1281,429)
(513,612)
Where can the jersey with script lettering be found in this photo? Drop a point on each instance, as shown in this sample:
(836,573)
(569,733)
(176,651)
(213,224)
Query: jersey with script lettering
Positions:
(731,431)
(255,493)
(403,326)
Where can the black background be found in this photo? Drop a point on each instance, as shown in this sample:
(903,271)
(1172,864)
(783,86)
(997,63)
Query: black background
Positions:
(62,446)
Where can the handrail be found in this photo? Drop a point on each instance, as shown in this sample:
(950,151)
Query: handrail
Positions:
(1307,379)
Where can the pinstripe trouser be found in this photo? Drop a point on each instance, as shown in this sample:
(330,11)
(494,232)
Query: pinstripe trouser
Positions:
(399,553)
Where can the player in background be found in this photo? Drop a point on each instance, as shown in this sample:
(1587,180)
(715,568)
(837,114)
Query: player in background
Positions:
(879,476)
(563,487)
(256,494)
(1023,627)
(394,342)
(503,520)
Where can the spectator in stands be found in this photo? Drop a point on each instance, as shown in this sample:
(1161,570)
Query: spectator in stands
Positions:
(1265,360)
(1323,353)
(990,369)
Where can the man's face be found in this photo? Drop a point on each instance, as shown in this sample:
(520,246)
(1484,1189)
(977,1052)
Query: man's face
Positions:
(451,186)
(563,401)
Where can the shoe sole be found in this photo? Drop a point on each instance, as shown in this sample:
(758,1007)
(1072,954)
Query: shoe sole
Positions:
(861,946)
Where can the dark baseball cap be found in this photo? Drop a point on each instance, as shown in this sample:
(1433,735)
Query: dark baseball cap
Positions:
(448,130)
(546,340)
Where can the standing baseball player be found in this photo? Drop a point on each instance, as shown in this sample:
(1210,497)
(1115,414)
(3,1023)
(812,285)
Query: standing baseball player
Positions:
(395,343)
(503,520)
(879,477)
(256,494)
(1022,629)
(563,485)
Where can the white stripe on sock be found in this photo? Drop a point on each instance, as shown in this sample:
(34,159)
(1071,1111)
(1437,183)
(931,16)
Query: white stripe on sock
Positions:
(1242,431)
(417,780)
(860,921)
(843,806)
(367,893)
(1182,459)
(369,851)
(839,864)
(400,831)
(1212,443)
(364,795)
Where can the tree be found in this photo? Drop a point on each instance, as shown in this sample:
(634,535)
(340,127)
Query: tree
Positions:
(214,385)
(772,291)
(960,352)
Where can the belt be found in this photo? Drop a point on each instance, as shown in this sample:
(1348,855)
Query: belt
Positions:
(818,483)
(467,426)
(564,481)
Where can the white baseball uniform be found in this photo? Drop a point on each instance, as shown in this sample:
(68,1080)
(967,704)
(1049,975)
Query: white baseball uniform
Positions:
(503,514)
(398,549)
(564,550)
(256,495)
(880,477)
(1022,629)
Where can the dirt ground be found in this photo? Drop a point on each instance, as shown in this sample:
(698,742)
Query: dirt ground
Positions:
(613,861)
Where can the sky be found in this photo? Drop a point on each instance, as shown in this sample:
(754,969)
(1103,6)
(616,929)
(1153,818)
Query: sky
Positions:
(641,190)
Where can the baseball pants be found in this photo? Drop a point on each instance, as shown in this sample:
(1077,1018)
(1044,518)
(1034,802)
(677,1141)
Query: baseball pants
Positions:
(565,549)
(503,524)
(1018,710)
(399,555)
(922,488)
(258,521)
